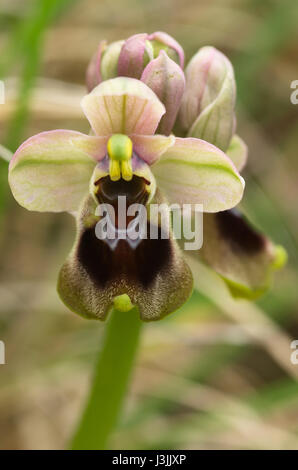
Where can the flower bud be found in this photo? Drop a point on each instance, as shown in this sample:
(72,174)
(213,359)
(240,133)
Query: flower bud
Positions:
(130,57)
(104,63)
(93,74)
(163,41)
(207,108)
(109,62)
(166,79)
(135,54)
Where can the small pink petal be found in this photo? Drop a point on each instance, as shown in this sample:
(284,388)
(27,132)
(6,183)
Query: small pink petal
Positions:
(150,147)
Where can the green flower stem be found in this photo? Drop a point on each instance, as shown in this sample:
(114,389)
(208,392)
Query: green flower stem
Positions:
(112,373)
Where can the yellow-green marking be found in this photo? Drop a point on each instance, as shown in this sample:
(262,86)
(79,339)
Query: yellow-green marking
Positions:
(120,152)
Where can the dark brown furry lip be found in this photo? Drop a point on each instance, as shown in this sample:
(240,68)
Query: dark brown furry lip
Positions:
(139,265)
(235,229)
(107,261)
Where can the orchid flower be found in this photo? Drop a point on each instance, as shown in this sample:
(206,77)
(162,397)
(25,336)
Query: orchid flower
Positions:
(132,152)
(201,104)
(240,254)
(68,171)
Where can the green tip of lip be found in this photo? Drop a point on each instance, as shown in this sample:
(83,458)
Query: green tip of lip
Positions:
(122,303)
(281,257)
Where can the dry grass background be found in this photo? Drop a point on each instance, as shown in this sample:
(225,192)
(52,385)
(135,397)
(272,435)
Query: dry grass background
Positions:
(217,373)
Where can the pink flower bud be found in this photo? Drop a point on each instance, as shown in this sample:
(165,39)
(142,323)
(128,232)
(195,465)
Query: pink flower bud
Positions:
(166,79)
(207,109)
(130,57)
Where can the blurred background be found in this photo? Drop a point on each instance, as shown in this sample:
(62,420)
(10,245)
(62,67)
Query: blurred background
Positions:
(217,373)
